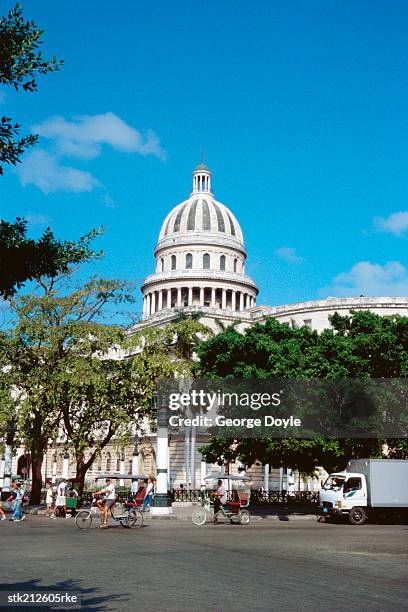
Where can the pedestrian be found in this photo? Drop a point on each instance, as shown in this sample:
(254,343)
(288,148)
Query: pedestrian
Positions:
(3,516)
(16,497)
(61,501)
(49,500)
(219,499)
(149,494)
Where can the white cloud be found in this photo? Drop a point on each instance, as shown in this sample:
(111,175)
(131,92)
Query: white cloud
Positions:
(396,224)
(370,279)
(289,254)
(84,136)
(48,174)
(37,219)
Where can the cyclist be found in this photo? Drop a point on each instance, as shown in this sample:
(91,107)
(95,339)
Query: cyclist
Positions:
(107,502)
(219,499)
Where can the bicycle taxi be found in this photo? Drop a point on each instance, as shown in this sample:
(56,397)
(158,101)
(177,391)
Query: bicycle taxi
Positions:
(127,514)
(235,510)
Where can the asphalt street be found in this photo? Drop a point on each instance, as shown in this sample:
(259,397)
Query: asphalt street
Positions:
(175,566)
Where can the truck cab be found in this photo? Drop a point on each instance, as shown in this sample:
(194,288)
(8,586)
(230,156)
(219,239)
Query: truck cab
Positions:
(345,493)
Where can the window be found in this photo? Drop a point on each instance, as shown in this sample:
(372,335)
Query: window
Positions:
(206,261)
(222,262)
(118,462)
(235,265)
(189,261)
(108,462)
(173,262)
(352,484)
(162,264)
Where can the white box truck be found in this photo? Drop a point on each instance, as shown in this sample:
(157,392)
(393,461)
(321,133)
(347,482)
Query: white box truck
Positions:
(365,488)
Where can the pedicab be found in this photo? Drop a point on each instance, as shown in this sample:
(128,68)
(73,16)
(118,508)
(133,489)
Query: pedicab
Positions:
(235,510)
(127,514)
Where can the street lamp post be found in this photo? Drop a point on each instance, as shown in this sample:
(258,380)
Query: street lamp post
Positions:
(162,501)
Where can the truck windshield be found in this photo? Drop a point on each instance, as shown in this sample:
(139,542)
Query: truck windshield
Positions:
(334,483)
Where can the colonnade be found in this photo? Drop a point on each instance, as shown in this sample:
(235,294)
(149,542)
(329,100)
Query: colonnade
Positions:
(225,299)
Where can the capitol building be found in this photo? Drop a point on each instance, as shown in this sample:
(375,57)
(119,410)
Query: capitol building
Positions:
(200,266)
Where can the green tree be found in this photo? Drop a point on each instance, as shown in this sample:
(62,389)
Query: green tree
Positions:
(361,345)
(21,62)
(23,259)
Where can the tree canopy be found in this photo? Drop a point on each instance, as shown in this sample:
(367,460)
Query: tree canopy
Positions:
(360,345)
(21,62)
(23,259)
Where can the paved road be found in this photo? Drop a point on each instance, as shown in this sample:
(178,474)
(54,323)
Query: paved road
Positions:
(174,566)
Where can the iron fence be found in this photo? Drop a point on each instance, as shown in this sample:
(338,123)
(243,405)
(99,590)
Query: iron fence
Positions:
(287,498)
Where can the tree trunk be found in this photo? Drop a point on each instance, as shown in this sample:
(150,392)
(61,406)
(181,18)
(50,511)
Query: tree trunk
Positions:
(35,496)
(81,469)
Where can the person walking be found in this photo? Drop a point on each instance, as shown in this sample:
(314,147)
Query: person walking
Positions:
(16,498)
(49,500)
(149,494)
(3,516)
(61,501)
(219,499)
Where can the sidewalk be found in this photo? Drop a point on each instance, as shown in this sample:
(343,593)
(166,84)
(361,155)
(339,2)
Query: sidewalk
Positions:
(258,513)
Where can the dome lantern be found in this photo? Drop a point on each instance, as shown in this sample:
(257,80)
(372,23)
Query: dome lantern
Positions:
(202,179)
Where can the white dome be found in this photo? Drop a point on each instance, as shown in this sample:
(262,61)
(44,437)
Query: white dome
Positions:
(200,214)
(200,257)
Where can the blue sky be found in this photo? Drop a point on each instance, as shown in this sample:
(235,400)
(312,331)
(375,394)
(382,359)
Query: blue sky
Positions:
(301,108)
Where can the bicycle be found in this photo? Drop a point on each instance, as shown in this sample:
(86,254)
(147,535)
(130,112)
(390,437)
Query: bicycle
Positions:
(236,513)
(131,518)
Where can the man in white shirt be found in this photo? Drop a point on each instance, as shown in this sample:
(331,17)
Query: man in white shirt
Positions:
(107,502)
(220,499)
(61,500)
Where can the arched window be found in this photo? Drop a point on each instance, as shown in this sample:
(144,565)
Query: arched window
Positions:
(189,261)
(108,462)
(118,462)
(173,262)
(235,265)
(206,261)
(162,264)
(222,262)
(99,466)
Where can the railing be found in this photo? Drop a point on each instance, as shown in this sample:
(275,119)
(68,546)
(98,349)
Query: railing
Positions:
(287,498)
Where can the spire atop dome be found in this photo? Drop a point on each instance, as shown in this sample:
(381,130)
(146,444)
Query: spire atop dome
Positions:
(202,179)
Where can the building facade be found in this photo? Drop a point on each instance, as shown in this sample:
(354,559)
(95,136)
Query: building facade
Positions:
(200,266)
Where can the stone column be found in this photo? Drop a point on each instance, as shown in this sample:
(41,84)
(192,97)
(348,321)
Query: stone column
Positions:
(179,296)
(190,296)
(224,299)
(65,465)
(153,309)
(234,300)
(122,467)
(162,502)
(160,306)
(149,303)
(213,297)
(168,298)
(241,301)
(201,296)
(266,477)
(54,468)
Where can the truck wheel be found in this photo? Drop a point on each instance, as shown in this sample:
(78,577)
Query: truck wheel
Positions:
(357,516)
